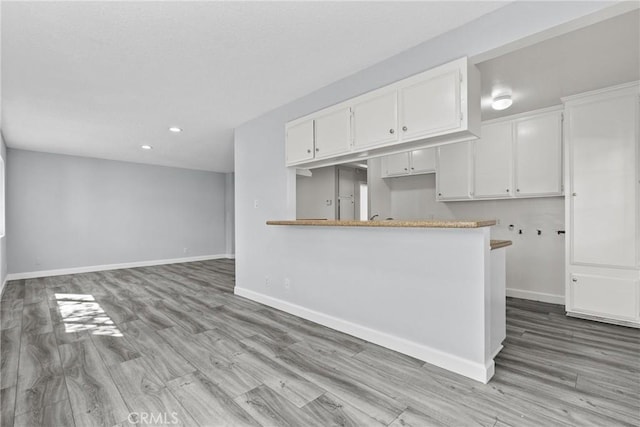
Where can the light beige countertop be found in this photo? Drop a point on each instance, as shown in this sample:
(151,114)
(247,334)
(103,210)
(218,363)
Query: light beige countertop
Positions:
(388,223)
(496,244)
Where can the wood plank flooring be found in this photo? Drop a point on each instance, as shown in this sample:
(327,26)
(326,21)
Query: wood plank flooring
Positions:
(172,345)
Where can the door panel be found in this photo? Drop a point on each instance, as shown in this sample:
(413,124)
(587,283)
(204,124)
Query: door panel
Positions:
(604,296)
(493,161)
(453,175)
(603,144)
(423,161)
(431,106)
(539,155)
(300,142)
(333,133)
(395,164)
(375,121)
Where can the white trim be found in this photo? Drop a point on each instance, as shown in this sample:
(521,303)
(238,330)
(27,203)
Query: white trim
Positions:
(535,296)
(604,93)
(230,256)
(92,268)
(468,368)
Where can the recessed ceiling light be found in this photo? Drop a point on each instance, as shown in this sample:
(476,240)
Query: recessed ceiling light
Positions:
(175,129)
(146,147)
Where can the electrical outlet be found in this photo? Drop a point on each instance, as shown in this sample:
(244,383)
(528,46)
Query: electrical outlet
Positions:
(255,203)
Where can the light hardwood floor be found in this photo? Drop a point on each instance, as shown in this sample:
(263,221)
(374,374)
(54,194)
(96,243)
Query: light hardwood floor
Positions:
(173,344)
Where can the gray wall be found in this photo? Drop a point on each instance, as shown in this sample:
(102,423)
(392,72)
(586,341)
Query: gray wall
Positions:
(66,211)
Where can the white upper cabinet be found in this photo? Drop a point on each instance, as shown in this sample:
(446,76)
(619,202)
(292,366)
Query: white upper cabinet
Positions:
(430,106)
(493,161)
(442,103)
(538,155)
(300,142)
(423,161)
(395,165)
(375,121)
(603,156)
(453,172)
(410,163)
(333,133)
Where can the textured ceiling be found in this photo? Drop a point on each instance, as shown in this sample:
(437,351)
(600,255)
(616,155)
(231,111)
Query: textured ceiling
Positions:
(99,79)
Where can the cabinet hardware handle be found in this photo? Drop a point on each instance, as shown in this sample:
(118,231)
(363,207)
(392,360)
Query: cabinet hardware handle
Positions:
(412,168)
(405,168)
(404,128)
(574,280)
(507,190)
(308,151)
(317,149)
(391,131)
(574,194)
(439,194)
(517,190)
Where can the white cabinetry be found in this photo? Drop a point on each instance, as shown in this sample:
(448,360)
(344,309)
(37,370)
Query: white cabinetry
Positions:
(438,106)
(300,142)
(603,268)
(538,150)
(453,175)
(493,156)
(333,133)
(430,106)
(375,121)
(415,162)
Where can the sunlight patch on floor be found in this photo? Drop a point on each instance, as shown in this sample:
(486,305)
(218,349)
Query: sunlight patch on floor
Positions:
(81,312)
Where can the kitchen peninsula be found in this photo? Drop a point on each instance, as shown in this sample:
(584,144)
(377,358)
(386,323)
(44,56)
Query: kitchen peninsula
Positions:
(434,290)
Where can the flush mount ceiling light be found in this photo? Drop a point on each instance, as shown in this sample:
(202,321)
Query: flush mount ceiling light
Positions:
(501,101)
(175,129)
(146,147)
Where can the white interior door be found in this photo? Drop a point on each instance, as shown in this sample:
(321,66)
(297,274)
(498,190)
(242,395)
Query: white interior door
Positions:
(603,155)
(346,193)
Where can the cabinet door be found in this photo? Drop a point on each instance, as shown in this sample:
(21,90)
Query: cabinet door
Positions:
(493,161)
(603,157)
(423,161)
(375,121)
(538,146)
(430,106)
(395,164)
(453,175)
(604,296)
(333,133)
(300,142)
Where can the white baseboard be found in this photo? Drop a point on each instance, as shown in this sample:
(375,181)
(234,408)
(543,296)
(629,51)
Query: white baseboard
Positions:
(468,368)
(536,296)
(92,268)
(230,256)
